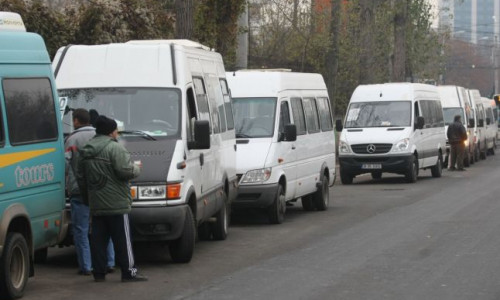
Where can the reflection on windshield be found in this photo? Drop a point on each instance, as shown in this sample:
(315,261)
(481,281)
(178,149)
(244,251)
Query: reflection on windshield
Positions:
(449,114)
(254,117)
(155,112)
(379,114)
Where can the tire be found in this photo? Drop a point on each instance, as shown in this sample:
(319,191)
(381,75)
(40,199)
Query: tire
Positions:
(446,161)
(412,172)
(467,161)
(14,266)
(219,228)
(307,203)
(376,175)
(321,198)
(204,232)
(437,170)
(41,256)
(476,152)
(276,211)
(482,154)
(345,177)
(181,250)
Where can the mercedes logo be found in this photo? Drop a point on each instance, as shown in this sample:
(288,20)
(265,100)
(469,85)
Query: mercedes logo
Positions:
(371,148)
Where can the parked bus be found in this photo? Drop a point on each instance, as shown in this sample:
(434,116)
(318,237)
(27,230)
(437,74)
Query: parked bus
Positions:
(31,156)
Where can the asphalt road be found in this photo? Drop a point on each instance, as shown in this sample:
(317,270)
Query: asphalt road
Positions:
(379,239)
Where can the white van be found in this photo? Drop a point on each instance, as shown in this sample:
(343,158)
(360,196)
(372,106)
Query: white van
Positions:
(490,124)
(174,113)
(286,143)
(478,124)
(454,100)
(392,127)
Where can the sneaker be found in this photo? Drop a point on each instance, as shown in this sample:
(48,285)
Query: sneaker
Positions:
(461,169)
(84,273)
(137,277)
(110,270)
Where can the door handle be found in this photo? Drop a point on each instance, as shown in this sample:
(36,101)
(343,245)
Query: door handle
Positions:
(202,159)
(293,147)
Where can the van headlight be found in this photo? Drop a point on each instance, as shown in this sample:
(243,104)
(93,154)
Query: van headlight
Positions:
(152,192)
(256,176)
(344,147)
(401,146)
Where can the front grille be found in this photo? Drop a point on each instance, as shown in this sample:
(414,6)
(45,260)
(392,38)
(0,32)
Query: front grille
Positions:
(377,148)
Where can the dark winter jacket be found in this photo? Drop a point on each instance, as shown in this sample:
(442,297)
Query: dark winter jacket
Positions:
(104,170)
(73,144)
(456,133)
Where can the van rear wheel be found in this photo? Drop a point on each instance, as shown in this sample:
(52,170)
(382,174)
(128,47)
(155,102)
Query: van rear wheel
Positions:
(321,198)
(437,170)
(219,228)
(181,250)
(345,177)
(277,210)
(14,266)
(307,203)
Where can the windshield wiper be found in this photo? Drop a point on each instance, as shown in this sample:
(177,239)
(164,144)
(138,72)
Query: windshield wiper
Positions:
(138,132)
(242,135)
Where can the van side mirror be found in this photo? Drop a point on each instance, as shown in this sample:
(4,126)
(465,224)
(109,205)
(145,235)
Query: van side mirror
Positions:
(480,123)
(63,105)
(290,133)
(201,135)
(472,123)
(488,121)
(420,123)
(338,125)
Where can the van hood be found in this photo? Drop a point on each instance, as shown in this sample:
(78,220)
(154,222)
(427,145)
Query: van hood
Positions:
(251,154)
(155,157)
(379,135)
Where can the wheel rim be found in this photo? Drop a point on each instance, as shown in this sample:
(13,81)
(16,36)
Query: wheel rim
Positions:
(282,205)
(326,195)
(17,267)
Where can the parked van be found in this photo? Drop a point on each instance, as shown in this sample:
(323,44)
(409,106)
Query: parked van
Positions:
(392,127)
(454,102)
(490,124)
(31,156)
(286,143)
(479,128)
(174,113)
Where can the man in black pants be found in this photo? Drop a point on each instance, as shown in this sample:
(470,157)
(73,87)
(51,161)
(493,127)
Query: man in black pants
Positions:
(103,173)
(457,135)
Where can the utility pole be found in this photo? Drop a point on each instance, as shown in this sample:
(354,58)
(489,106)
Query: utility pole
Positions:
(496,65)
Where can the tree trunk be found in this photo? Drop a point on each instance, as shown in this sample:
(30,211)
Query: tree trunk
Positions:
(332,56)
(399,58)
(184,19)
(366,41)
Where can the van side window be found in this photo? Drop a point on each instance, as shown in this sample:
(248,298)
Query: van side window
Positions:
(212,87)
(325,114)
(311,113)
(298,116)
(201,99)
(191,115)
(284,116)
(2,134)
(30,108)
(439,115)
(227,104)
(416,111)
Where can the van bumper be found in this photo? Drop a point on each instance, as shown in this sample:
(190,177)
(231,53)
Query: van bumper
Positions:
(157,223)
(255,196)
(355,165)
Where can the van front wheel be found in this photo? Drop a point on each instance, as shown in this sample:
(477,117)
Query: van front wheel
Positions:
(181,250)
(277,210)
(14,266)
(412,172)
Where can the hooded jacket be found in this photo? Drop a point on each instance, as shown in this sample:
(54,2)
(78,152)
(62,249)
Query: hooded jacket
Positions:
(456,133)
(73,144)
(104,171)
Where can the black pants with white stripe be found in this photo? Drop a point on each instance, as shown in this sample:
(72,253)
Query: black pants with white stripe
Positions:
(117,227)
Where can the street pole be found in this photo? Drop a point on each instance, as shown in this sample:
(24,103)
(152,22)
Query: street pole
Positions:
(496,65)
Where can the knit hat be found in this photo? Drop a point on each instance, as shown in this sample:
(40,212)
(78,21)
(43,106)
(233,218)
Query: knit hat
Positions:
(104,125)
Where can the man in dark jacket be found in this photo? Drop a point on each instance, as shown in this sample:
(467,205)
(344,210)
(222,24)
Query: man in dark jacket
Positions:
(457,135)
(104,173)
(79,210)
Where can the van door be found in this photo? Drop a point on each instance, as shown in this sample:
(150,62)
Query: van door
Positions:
(286,151)
(419,134)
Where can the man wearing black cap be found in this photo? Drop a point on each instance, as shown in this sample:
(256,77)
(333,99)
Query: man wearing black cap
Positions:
(457,135)
(103,174)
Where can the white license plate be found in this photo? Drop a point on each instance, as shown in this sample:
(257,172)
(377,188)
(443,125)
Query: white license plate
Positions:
(371,166)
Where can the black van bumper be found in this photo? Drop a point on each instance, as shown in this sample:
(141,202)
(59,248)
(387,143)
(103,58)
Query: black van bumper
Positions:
(255,196)
(157,223)
(355,165)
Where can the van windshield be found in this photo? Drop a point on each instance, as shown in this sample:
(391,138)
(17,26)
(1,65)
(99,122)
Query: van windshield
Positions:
(148,111)
(449,114)
(254,117)
(379,114)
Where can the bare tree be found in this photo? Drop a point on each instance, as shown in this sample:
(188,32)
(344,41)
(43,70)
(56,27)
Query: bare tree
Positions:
(184,20)
(332,56)
(367,40)
(399,56)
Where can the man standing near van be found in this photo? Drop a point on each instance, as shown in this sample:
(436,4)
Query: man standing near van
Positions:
(457,135)
(104,173)
(80,216)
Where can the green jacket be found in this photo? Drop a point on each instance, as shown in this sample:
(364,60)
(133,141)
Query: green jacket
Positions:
(104,170)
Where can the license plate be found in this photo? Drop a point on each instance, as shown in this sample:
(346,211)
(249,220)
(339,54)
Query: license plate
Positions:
(371,166)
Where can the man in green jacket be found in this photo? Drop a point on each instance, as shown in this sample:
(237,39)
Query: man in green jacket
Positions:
(103,176)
